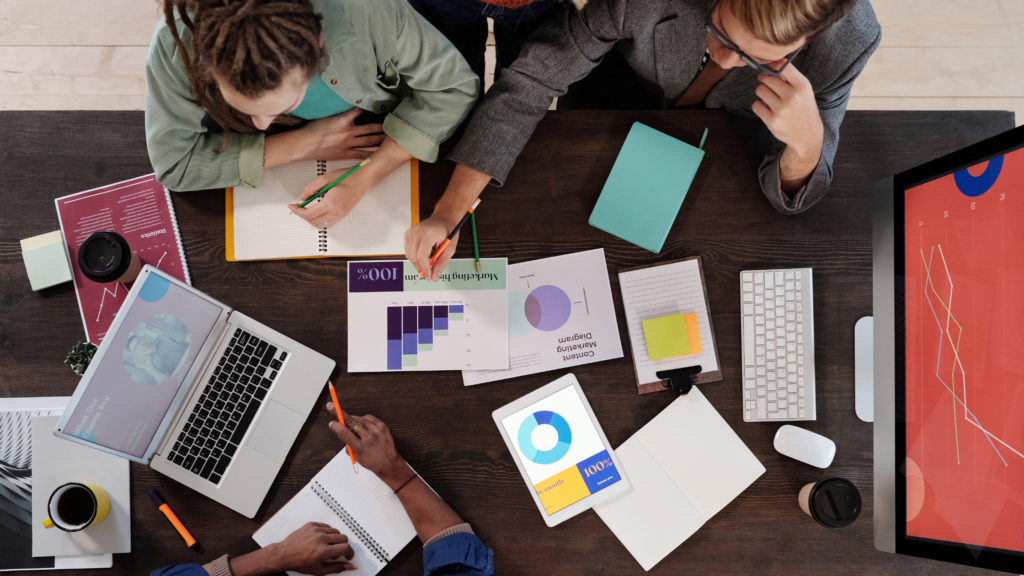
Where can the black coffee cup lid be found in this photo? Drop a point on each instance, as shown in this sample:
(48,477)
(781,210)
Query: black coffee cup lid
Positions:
(834,502)
(104,256)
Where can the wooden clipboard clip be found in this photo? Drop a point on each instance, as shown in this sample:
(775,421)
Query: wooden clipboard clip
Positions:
(681,379)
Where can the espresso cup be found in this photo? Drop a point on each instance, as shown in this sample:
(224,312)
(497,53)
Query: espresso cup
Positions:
(106,257)
(76,506)
(832,502)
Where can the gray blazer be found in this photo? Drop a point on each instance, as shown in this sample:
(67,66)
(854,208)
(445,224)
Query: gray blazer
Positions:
(663,41)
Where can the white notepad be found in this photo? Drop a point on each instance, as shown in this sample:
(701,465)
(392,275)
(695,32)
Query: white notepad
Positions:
(360,505)
(685,465)
(261,227)
(659,291)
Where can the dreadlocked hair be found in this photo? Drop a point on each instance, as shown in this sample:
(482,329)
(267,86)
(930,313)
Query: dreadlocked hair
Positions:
(250,44)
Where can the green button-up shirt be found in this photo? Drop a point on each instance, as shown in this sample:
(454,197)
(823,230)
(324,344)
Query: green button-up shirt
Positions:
(380,55)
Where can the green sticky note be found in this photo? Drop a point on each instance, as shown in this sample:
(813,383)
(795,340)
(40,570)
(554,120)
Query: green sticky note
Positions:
(666,337)
(45,260)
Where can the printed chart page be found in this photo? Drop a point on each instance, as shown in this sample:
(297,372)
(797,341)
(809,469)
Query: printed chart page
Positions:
(964,268)
(457,323)
(560,314)
(663,291)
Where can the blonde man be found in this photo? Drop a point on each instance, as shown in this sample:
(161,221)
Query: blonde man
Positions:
(790,63)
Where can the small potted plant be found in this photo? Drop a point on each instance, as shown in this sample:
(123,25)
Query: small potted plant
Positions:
(80,356)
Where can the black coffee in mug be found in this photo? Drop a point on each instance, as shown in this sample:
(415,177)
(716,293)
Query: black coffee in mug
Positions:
(75,506)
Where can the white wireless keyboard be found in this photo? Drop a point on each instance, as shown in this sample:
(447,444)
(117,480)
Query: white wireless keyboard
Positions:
(778,345)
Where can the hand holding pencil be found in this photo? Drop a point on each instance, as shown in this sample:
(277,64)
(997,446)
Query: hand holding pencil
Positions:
(370,439)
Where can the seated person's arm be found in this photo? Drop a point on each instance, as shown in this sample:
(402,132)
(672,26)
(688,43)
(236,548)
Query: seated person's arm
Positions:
(315,549)
(449,544)
(797,171)
(561,51)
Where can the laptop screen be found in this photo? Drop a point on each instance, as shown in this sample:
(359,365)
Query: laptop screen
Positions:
(964,267)
(149,355)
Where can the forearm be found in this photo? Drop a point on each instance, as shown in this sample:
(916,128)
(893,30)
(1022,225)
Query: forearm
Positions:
(259,563)
(796,166)
(463,189)
(428,512)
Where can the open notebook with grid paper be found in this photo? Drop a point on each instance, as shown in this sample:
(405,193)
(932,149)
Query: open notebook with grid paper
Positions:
(259,225)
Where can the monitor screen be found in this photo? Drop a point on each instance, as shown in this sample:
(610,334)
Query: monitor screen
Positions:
(153,349)
(963,252)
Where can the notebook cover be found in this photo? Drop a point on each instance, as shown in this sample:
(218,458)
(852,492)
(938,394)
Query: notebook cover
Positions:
(141,211)
(703,377)
(229,219)
(646,187)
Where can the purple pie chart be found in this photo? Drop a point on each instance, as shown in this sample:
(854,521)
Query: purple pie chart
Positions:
(547,308)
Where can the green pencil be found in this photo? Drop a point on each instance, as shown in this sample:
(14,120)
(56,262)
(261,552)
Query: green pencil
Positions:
(476,247)
(324,190)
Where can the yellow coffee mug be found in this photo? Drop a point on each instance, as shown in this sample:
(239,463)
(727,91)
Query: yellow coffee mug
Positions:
(76,506)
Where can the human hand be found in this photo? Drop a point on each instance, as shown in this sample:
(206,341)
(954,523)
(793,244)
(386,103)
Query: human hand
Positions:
(423,237)
(315,549)
(373,446)
(787,106)
(338,138)
(335,204)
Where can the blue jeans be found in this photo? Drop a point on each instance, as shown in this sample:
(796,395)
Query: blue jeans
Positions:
(464,23)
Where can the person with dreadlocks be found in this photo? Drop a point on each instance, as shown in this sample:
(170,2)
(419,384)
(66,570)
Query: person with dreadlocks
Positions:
(237,86)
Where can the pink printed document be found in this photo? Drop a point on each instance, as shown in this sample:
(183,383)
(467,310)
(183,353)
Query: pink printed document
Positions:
(140,210)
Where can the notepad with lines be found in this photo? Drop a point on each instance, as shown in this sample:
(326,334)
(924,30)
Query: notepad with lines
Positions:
(259,225)
(361,506)
(660,290)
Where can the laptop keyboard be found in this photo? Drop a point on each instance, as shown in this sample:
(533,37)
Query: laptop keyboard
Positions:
(229,403)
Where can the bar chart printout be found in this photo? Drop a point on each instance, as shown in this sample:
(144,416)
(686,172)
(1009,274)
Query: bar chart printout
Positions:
(396,323)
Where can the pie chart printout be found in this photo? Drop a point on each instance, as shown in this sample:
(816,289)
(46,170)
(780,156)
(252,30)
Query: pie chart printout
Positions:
(547,308)
(964,268)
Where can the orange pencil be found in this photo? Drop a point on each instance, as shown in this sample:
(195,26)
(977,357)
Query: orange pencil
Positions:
(448,240)
(337,410)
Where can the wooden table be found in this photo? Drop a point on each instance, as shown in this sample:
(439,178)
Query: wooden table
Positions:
(446,430)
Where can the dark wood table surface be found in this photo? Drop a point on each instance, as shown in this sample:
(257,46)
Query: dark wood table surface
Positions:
(446,430)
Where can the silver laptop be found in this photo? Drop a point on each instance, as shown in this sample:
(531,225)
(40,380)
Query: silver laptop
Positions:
(200,392)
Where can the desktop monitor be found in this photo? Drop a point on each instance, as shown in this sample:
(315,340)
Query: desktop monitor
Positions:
(949,357)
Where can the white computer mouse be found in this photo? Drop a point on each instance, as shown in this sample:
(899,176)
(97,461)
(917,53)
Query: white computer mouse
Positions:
(805,446)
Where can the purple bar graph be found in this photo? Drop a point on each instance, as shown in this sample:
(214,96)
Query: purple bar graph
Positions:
(441,318)
(409,330)
(394,338)
(426,326)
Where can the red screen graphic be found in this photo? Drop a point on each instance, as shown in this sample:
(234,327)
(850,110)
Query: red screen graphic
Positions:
(965,355)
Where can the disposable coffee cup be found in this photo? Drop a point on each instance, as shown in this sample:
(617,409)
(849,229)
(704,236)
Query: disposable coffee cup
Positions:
(76,506)
(106,257)
(832,502)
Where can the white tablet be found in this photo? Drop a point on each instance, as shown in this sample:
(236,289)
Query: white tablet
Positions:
(561,450)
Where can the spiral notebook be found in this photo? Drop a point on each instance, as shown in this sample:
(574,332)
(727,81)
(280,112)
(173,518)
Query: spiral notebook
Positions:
(361,506)
(259,225)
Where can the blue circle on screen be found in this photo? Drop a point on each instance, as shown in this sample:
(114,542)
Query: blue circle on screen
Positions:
(554,420)
(155,288)
(974,186)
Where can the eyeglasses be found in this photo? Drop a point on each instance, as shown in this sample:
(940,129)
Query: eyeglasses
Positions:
(709,25)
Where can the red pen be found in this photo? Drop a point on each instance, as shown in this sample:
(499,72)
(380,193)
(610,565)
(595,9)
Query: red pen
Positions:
(448,240)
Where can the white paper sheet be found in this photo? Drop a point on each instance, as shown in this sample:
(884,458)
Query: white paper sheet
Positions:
(56,462)
(561,314)
(661,291)
(685,465)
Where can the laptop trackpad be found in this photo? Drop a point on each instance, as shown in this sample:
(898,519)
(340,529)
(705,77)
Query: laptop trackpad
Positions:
(275,431)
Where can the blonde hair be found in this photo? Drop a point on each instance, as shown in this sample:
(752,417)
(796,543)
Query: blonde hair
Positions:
(783,22)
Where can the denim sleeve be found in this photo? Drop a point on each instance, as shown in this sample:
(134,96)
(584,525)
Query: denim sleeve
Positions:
(461,553)
(181,570)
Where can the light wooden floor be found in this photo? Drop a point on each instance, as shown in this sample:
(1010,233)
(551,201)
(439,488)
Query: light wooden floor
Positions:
(935,55)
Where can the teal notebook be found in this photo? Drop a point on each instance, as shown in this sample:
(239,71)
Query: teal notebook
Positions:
(648,183)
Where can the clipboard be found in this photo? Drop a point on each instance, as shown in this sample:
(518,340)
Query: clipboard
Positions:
(704,376)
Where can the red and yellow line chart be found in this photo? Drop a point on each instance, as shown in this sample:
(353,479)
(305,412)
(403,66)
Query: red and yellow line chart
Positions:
(964,255)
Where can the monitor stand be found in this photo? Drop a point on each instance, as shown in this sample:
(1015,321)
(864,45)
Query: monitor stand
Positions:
(864,368)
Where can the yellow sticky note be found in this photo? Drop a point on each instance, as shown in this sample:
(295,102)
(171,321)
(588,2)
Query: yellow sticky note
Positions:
(667,337)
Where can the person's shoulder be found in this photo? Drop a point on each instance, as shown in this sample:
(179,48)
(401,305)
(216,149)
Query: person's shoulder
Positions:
(162,42)
(642,15)
(858,29)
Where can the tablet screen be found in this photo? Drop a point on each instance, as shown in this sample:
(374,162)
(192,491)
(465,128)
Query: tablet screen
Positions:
(561,450)
(964,268)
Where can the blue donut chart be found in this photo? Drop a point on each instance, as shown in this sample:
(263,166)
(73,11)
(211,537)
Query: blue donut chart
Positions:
(554,420)
(974,186)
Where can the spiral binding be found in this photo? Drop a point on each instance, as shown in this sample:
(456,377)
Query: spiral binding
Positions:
(321,169)
(177,236)
(347,518)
